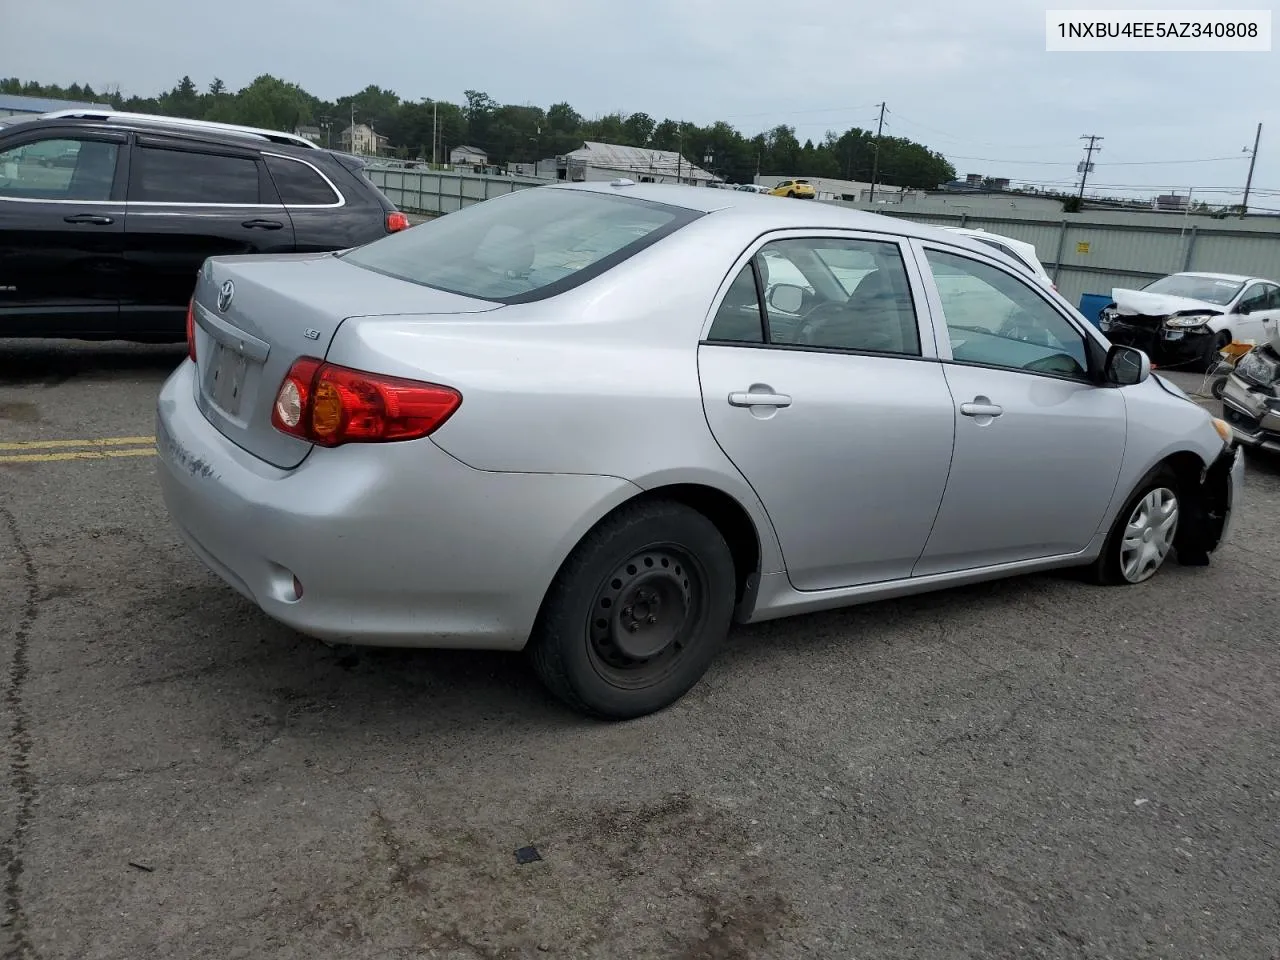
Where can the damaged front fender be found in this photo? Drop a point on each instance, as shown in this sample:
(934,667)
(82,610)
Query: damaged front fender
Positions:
(1206,517)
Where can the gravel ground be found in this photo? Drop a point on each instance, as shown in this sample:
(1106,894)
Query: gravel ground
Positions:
(1028,768)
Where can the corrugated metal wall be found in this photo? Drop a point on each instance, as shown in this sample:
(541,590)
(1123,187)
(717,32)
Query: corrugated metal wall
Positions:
(1086,253)
(1093,252)
(441,191)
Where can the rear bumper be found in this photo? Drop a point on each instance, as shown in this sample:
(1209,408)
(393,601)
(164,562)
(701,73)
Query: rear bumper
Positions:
(394,544)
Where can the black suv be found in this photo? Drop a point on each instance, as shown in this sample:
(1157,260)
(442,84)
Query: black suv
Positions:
(105,218)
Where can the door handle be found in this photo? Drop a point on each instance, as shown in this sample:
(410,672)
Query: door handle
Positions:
(90,218)
(263,224)
(752,399)
(981,407)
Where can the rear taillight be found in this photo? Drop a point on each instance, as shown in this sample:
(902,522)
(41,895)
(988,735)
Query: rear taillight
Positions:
(397,221)
(191,329)
(331,405)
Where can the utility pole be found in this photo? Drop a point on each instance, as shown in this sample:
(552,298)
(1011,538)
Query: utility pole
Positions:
(351,137)
(1244,206)
(680,151)
(434,134)
(875,162)
(1085,166)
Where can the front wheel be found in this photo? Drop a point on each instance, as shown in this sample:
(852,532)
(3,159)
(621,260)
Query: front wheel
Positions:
(1143,533)
(636,614)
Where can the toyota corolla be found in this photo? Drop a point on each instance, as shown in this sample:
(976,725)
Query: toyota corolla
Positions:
(602,422)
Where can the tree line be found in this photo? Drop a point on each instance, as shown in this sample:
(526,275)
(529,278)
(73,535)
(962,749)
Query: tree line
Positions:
(511,133)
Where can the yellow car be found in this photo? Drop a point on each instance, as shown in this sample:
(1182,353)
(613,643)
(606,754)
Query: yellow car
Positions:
(794,188)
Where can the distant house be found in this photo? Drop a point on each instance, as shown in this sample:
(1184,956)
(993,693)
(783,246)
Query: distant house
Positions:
(311,133)
(362,140)
(466,156)
(608,161)
(12,105)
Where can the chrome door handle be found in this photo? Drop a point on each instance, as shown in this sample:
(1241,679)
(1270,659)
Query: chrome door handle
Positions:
(96,220)
(981,407)
(750,399)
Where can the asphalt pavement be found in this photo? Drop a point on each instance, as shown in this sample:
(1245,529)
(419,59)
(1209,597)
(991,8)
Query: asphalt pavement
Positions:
(1028,768)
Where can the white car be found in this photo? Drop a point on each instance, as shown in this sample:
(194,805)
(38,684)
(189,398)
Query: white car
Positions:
(1022,252)
(1186,318)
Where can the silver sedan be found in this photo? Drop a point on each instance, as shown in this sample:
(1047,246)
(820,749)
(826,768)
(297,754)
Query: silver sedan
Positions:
(601,422)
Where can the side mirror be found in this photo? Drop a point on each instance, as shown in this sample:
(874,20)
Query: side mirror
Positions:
(786,297)
(1244,309)
(1126,366)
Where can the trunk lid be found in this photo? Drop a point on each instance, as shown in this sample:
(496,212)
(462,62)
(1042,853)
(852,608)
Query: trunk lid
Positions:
(256,315)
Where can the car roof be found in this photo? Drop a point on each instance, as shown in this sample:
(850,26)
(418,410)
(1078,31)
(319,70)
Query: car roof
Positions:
(781,213)
(173,127)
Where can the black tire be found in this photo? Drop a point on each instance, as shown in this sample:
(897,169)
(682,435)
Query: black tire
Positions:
(791,193)
(637,612)
(1108,569)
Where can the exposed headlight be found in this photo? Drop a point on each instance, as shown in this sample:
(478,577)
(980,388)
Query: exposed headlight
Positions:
(1187,323)
(1254,366)
(1224,429)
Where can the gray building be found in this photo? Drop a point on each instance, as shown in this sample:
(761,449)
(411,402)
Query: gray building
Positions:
(466,156)
(609,161)
(12,105)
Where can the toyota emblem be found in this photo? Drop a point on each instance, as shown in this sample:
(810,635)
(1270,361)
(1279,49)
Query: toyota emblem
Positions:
(225,294)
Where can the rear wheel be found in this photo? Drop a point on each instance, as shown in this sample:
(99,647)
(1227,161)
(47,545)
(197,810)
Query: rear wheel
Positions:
(1143,533)
(637,612)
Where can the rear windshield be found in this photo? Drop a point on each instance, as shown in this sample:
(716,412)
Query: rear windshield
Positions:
(529,245)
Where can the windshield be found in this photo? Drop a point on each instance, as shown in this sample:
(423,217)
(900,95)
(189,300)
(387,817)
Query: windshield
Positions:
(1208,289)
(529,245)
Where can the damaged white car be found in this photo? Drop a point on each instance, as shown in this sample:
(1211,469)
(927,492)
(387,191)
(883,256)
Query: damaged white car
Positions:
(1186,318)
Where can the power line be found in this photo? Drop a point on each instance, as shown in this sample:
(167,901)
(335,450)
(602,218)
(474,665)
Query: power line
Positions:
(1113,163)
(985,143)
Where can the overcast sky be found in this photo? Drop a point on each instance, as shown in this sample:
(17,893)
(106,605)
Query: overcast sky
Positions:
(971,80)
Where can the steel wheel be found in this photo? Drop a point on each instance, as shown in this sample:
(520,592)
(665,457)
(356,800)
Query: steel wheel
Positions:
(644,615)
(1148,535)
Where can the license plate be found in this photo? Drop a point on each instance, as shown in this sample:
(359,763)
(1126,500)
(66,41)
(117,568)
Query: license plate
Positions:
(227,385)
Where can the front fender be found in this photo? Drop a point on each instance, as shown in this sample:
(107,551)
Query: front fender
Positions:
(1207,513)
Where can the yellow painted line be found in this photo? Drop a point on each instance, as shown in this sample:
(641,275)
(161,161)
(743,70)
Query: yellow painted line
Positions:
(73,455)
(54,444)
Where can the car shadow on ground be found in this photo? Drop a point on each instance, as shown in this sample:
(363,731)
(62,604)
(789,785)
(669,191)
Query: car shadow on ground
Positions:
(53,362)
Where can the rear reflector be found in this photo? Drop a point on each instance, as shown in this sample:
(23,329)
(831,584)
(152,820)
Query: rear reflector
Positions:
(332,405)
(191,329)
(397,221)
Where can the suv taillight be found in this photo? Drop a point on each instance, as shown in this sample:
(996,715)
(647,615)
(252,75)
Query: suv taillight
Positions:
(397,221)
(332,405)
(191,329)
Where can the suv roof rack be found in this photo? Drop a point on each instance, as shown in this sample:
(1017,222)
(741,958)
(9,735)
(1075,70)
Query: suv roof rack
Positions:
(273,136)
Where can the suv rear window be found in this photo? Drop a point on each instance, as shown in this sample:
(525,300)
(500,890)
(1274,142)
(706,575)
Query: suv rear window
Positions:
(529,245)
(299,184)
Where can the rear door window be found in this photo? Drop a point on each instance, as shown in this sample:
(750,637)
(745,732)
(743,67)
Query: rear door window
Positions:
(299,184)
(529,245)
(163,175)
